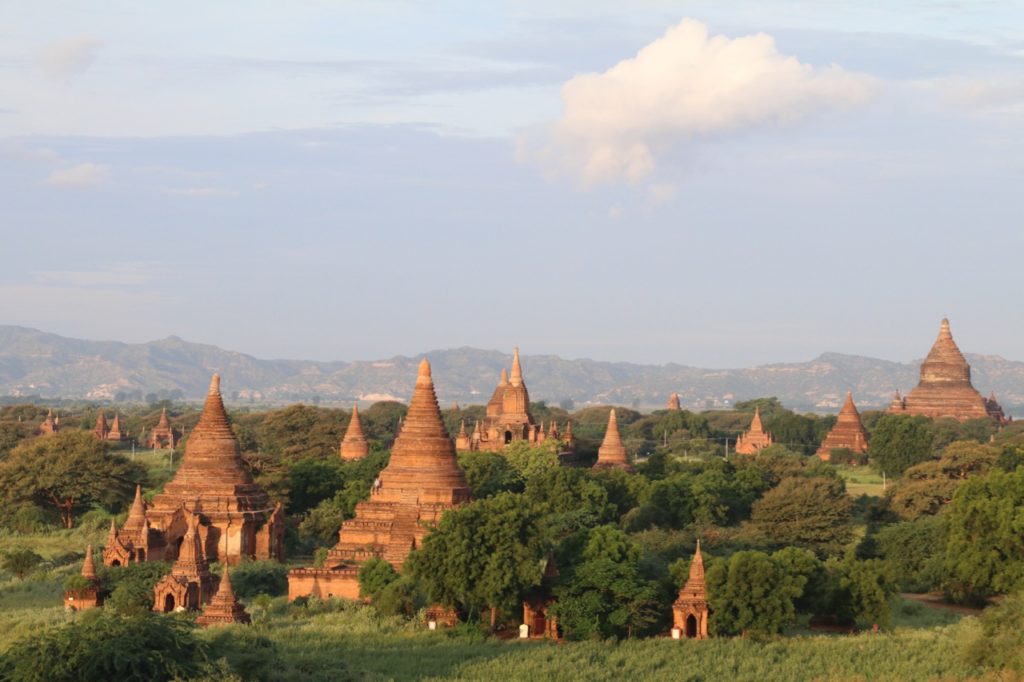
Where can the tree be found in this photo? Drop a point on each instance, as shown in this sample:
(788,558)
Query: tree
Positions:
(927,488)
(489,473)
(808,512)
(21,562)
(70,471)
(752,594)
(900,441)
(1000,644)
(374,576)
(482,555)
(984,553)
(310,481)
(868,586)
(916,551)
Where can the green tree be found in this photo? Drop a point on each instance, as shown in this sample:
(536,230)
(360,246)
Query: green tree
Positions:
(70,471)
(131,586)
(20,562)
(808,512)
(928,487)
(899,442)
(489,473)
(374,576)
(868,586)
(310,481)
(752,594)
(984,553)
(483,554)
(1000,644)
(916,551)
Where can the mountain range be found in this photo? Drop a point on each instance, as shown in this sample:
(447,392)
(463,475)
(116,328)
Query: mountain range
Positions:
(38,364)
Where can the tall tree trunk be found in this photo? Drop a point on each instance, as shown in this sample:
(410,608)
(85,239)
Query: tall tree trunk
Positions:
(494,618)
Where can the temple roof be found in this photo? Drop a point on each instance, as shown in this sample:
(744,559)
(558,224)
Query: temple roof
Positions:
(355,426)
(945,362)
(164,423)
(137,515)
(516,378)
(612,451)
(88,566)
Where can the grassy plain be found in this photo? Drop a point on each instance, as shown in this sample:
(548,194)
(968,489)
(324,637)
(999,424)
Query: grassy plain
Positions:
(862,481)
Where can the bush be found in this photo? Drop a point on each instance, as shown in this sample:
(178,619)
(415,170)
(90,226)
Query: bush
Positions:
(1000,645)
(131,586)
(374,576)
(251,578)
(20,562)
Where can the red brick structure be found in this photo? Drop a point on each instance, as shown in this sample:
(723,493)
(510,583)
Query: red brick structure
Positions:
(50,425)
(224,608)
(421,482)
(673,403)
(537,605)
(755,438)
(136,541)
(847,433)
(354,445)
(690,609)
(945,389)
(115,433)
(163,436)
(88,597)
(190,583)
(612,453)
(101,429)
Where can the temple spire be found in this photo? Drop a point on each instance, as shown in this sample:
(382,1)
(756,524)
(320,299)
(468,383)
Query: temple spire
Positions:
(354,445)
(612,452)
(517,371)
(88,567)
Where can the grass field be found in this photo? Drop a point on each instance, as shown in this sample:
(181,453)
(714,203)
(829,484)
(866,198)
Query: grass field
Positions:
(862,481)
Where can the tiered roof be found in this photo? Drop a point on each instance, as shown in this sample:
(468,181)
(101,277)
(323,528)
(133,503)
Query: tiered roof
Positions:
(612,452)
(354,445)
(224,608)
(755,438)
(848,431)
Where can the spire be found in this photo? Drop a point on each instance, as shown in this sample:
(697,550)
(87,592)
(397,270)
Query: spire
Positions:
(503,381)
(462,429)
(755,424)
(212,453)
(697,566)
(517,370)
(354,445)
(612,452)
(163,423)
(355,425)
(88,567)
(112,533)
(224,589)
(849,409)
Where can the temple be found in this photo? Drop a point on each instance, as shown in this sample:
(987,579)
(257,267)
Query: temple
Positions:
(50,425)
(848,432)
(945,389)
(421,482)
(224,608)
(89,596)
(612,453)
(234,517)
(755,438)
(673,403)
(690,609)
(189,585)
(102,428)
(115,433)
(354,445)
(163,436)
(507,418)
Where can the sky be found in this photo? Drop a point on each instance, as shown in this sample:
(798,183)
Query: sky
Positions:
(717,184)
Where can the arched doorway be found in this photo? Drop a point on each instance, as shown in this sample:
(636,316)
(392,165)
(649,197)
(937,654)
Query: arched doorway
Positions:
(691,627)
(115,562)
(169,603)
(508,437)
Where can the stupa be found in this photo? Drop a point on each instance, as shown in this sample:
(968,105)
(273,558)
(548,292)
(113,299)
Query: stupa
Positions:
(88,597)
(612,453)
(236,517)
(354,445)
(189,585)
(945,389)
(136,541)
(690,609)
(755,438)
(50,425)
(848,432)
(421,481)
(163,436)
(224,608)
(101,429)
(115,433)
(673,402)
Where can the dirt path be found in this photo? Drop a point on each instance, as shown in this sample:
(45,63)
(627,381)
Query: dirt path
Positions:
(935,601)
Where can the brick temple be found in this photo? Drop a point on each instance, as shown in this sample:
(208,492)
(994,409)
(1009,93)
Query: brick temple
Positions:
(690,609)
(90,596)
(848,432)
(50,425)
(354,445)
(235,518)
(673,403)
(612,453)
(755,438)
(224,608)
(421,482)
(163,436)
(190,584)
(945,389)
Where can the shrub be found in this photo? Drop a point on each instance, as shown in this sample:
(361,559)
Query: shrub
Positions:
(21,562)
(1000,645)
(251,578)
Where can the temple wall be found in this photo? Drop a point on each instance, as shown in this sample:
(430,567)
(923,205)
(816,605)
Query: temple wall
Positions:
(341,583)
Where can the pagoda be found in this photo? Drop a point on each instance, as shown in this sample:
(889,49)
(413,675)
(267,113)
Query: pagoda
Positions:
(189,585)
(101,429)
(136,541)
(421,482)
(848,432)
(945,389)
(612,453)
(163,436)
(50,425)
(755,438)
(236,517)
(354,445)
(507,418)
(224,608)
(88,597)
(673,403)
(690,609)
(115,433)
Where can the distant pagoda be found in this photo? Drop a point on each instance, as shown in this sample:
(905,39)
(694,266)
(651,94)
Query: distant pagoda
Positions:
(224,608)
(89,596)
(421,481)
(848,432)
(115,432)
(755,438)
(945,389)
(354,445)
(50,425)
(673,403)
(163,436)
(612,453)
(102,428)
(690,609)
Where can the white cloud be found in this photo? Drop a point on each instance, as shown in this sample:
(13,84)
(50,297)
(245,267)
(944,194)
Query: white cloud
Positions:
(69,58)
(682,85)
(80,175)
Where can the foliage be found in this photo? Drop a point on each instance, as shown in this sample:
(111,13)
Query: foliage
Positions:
(928,487)
(251,578)
(900,441)
(489,473)
(984,553)
(868,589)
(1000,644)
(310,481)
(20,562)
(70,471)
(752,594)
(807,512)
(107,646)
(131,586)
(916,551)
(374,575)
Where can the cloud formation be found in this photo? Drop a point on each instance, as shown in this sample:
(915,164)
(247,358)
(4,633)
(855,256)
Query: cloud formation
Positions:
(682,85)
(69,58)
(80,175)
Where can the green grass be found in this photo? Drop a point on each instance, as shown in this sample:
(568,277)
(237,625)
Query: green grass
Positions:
(862,481)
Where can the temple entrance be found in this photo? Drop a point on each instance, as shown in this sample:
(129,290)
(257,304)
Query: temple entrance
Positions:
(169,603)
(508,437)
(539,625)
(691,627)
(115,562)
(141,555)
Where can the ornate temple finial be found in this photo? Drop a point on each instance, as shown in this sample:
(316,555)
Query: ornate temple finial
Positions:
(88,567)
(517,371)
(214,384)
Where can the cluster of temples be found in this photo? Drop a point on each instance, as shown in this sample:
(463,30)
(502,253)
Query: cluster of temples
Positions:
(755,438)
(163,436)
(109,431)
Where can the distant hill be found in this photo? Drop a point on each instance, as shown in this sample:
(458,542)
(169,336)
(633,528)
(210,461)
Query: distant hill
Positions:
(35,363)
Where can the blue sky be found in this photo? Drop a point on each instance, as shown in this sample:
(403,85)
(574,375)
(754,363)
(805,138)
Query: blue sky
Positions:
(709,183)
